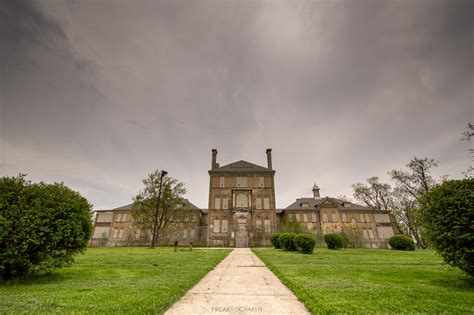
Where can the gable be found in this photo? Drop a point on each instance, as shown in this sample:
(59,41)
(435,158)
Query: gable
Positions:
(241,167)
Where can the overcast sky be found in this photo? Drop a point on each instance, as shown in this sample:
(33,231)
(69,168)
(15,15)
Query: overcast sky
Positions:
(97,94)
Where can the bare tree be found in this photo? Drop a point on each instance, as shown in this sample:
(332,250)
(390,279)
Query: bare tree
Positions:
(467,136)
(409,186)
(158,203)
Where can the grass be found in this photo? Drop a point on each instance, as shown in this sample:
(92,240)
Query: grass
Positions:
(112,280)
(372,281)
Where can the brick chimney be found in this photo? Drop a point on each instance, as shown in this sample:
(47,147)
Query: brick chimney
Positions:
(214,157)
(269,159)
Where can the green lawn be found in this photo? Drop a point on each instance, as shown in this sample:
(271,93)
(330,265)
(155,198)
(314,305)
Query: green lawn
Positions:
(113,280)
(372,281)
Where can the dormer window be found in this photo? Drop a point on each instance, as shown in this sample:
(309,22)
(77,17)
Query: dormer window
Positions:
(347,205)
(305,205)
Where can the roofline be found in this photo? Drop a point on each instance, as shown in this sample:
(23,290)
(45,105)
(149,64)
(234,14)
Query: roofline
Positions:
(241,172)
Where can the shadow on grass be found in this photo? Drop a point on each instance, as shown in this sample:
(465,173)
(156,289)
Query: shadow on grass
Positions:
(457,282)
(43,278)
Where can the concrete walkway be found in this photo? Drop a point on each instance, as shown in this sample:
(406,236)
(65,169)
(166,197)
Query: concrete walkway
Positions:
(240,284)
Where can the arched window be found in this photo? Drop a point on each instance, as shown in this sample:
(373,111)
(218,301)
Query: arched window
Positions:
(242,200)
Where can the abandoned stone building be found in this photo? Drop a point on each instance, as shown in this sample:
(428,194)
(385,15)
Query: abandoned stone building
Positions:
(242,213)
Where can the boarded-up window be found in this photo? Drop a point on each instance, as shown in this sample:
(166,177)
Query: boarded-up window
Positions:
(259,203)
(305,217)
(366,233)
(221,181)
(344,217)
(225,203)
(371,233)
(185,233)
(258,222)
(297,215)
(241,200)
(191,233)
(313,217)
(216,227)
(361,218)
(268,227)
(104,217)
(261,182)
(385,232)
(120,234)
(217,203)
(382,218)
(101,231)
(225,224)
(115,233)
(325,217)
(242,182)
(137,233)
(290,216)
(334,217)
(266,203)
(366,217)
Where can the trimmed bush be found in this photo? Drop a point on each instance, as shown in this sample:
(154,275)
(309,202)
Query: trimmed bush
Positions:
(42,226)
(276,240)
(334,241)
(305,243)
(401,242)
(447,217)
(287,241)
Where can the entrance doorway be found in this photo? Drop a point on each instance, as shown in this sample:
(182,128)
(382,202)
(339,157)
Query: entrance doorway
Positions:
(241,234)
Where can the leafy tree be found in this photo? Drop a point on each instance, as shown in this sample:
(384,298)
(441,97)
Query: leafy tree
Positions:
(353,236)
(156,216)
(42,226)
(447,214)
(290,226)
(467,136)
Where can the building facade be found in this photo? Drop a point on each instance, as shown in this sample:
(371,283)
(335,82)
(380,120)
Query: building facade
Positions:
(242,213)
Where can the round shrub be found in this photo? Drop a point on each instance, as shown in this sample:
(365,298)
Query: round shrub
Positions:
(447,217)
(401,242)
(287,241)
(42,226)
(334,241)
(276,240)
(305,243)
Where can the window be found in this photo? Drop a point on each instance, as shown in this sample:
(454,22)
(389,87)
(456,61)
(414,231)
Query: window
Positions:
(305,217)
(216,227)
(258,222)
(221,181)
(297,215)
(305,205)
(384,232)
(268,227)
(242,182)
(290,216)
(344,217)
(185,233)
(115,234)
(137,233)
(225,203)
(266,203)
(366,217)
(325,217)
(382,218)
(366,233)
(361,217)
(371,233)
(313,217)
(217,203)
(347,205)
(120,234)
(241,200)
(259,203)
(261,182)
(334,217)
(224,226)
(191,233)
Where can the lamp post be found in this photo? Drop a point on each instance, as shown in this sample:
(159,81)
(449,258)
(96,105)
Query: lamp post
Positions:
(157,212)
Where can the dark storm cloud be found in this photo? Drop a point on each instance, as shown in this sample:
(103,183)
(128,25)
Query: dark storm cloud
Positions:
(99,93)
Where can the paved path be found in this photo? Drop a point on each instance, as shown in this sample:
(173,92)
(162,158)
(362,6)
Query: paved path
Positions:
(240,284)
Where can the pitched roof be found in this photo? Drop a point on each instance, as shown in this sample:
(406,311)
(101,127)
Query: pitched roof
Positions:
(241,166)
(129,207)
(316,203)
